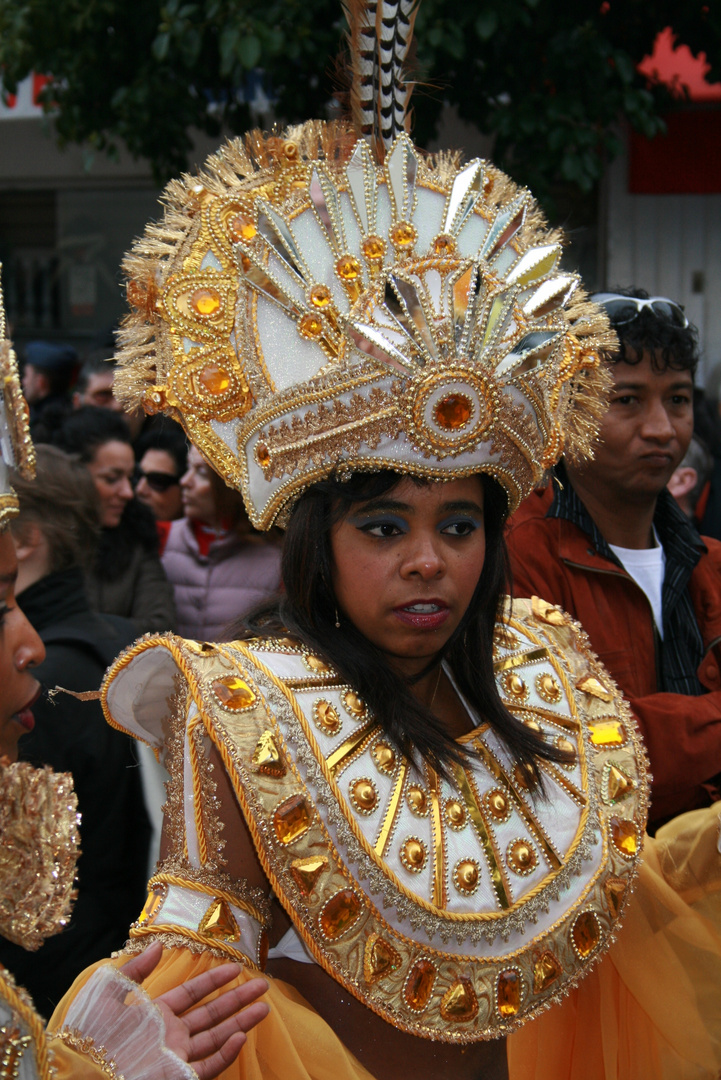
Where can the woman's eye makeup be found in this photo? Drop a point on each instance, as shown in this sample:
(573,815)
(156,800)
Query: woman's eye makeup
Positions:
(386,526)
(459,526)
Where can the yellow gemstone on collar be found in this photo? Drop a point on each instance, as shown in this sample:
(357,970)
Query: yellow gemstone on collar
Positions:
(419,985)
(459,1003)
(152,904)
(233,693)
(291,819)
(614,889)
(339,914)
(616,785)
(413,854)
(326,717)
(307,871)
(379,959)
(545,972)
(586,933)
(508,994)
(592,686)
(205,301)
(625,836)
(607,732)
(267,757)
(547,613)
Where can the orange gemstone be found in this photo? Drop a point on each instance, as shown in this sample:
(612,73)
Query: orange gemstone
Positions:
(233,693)
(589,684)
(267,757)
(310,326)
(205,301)
(307,871)
(459,1003)
(326,717)
(419,985)
(348,268)
(404,234)
(547,613)
(624,835)
(385,757)
(373,248)
(219,922)
(444,244)
(453,412)
(291,819)
(262,455)
(617,784)
(607,733)
(320,296)
(340,913)
(586,933)
(508,994)
(152,905)
(614,890)
(241,228)
(363,795)
(379,959)
(214,378)
(545,972)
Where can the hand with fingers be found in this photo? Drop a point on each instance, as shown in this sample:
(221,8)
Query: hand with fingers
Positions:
(210,1036)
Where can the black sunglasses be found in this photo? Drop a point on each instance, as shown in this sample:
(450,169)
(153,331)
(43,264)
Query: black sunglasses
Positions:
(624,309)
(156,481)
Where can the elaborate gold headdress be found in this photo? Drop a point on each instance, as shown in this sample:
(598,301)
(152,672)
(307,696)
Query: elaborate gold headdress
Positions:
(16,448)
(331,299)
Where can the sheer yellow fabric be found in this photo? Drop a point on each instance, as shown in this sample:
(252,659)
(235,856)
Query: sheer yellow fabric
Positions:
(292,1043)
(652,1007)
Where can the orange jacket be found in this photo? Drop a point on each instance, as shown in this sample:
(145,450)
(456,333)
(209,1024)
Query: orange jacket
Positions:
(554,559)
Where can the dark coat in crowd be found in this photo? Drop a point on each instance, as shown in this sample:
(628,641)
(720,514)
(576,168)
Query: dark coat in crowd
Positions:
(72,736)
(128,579)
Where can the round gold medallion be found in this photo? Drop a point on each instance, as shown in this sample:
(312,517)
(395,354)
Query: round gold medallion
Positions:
(514,687)
(568,748)
(521,857)
(354,705)
(414,854)
(326,717)
(417,800)
(498,805)
(466,876)
(548,688)
(455,813)
(315,664)
(384,757)
(363,795)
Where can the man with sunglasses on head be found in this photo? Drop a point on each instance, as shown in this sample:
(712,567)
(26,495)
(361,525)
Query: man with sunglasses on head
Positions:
(608,544)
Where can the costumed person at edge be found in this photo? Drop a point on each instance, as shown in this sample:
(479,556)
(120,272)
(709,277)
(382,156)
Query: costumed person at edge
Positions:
(102,1036)
(379,349)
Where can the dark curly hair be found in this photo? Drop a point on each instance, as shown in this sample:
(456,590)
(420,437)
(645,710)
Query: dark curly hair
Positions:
(669,346)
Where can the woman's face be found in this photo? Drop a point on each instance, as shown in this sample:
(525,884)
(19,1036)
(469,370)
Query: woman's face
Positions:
(158,485)
(20,649)
(406,565)
(197,491)
(112,470)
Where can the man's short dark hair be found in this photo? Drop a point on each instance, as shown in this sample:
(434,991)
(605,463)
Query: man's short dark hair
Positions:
(669,345)
(169,437)
(96,363)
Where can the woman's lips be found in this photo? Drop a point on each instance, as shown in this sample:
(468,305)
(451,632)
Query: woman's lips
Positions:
(423,614)
(24,716)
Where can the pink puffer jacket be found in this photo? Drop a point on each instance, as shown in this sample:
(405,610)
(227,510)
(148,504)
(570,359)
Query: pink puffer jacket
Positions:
(213,591)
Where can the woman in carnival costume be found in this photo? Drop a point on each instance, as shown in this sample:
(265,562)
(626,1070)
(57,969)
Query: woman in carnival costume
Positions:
(445,796)
(102,1036)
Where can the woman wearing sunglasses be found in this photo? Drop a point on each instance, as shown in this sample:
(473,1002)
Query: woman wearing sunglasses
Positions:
(162,458)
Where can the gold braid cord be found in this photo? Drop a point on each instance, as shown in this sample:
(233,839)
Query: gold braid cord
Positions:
(25,1033)
(16,447)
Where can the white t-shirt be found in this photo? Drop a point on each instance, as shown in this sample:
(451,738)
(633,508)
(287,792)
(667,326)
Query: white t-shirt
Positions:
(647,567)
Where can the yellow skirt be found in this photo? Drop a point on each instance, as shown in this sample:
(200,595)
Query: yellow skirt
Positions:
(650,1010)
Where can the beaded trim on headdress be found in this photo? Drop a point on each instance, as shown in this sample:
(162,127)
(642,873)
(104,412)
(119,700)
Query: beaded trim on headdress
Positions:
(322,302)
(16,448)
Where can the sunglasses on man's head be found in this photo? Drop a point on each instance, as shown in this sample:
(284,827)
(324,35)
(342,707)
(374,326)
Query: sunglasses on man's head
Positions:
(624,309)
(156,481)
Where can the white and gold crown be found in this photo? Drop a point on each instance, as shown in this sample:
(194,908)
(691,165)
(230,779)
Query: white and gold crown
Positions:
(322,301)
(16,447)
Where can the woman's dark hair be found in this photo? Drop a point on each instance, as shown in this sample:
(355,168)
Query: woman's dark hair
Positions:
(83,433)
(89,428)
(307,610)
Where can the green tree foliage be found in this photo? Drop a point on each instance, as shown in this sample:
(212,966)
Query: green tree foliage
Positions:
(550,79)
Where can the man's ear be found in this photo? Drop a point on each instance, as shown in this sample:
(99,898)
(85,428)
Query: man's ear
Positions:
(682,482)
(27,537)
